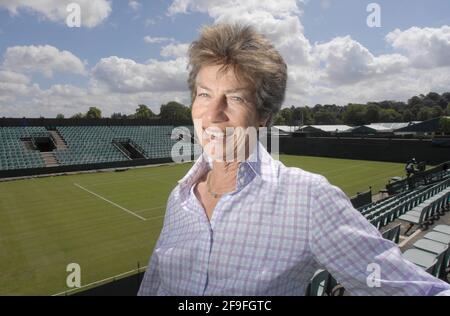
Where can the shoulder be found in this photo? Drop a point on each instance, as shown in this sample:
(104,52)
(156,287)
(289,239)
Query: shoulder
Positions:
(297,176)
(313,187)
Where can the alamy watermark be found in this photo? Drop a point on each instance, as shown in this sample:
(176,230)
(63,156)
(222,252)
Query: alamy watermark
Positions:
(374,18)
(374,277)
(232,144)
(73,279)
(74,17)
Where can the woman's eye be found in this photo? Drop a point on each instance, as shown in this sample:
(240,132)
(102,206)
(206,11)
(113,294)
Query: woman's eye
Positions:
(203,94)
(236,99)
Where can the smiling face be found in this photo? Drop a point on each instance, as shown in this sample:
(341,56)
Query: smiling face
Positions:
(223,111)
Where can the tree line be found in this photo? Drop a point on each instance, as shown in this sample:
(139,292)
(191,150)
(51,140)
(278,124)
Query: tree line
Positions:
(417,108)
(172,111)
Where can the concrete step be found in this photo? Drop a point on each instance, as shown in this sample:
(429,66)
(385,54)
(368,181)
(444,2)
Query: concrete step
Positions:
(49,159)
(59,140)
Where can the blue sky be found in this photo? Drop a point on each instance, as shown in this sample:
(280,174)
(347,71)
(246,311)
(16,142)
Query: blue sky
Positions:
(333,56)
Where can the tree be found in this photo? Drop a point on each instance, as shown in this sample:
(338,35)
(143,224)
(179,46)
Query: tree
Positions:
(279,119)
(373,113)
(94,113)
(408,116)
(175,112)
(60,116)
(436,111)
(433,96)
(302,115)
(118,115)
(444,123)
(415,101)
(354,114)
(390,115)
(446,96)
(424,114)
(324,117)
(286,113)
(78,116)
(143,112)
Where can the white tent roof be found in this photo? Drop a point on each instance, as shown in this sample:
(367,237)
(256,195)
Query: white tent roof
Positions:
(379,127)
(329,128)
(391,126)
(286,128)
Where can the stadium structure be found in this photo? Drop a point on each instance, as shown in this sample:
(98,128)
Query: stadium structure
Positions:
(62,199)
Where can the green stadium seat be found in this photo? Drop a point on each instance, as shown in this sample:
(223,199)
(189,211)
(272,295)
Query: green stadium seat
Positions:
(438,249)
(423,259)
(318,284)
(392,234)
(437,236)
(445,229)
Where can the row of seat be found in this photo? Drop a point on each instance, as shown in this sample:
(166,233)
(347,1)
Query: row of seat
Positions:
(427,211)
(432,253)
(323,284)
(392,234)
(82,140)
(404,204)
(407,196)
(13,154)
(372,207)
(366,209)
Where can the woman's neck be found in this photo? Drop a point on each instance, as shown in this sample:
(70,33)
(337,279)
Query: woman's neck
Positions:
(223,176)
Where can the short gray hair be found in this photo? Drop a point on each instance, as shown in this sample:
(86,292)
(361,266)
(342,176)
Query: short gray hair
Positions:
(252,57)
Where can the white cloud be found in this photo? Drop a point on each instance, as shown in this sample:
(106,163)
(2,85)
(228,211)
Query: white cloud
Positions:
(217,7)
(347,61)
(175,50)
(341,70)
(134,5)
(12,83)
(13,77)
(426,47)
(396,86)
(69,99)
(16,90)
(44,59)
(157,40)
(149,22)
(278,20)
(126,76)
(92,12)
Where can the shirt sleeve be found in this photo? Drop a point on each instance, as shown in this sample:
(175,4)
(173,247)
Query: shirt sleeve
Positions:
(355,253)
(151,281)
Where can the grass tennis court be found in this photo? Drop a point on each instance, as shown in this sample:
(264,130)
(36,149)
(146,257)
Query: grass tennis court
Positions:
(108,222)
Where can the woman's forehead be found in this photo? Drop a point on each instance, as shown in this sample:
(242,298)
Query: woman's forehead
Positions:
(213,77)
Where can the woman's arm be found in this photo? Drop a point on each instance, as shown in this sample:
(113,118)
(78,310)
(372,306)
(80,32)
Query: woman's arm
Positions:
(150,282)
(356,254)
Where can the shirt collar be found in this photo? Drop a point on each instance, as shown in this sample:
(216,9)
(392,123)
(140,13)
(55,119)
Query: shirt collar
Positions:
(255,164)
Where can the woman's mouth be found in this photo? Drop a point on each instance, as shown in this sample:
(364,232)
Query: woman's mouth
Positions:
(217,135)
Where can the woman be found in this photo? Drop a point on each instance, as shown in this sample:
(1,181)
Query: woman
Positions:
(252,226)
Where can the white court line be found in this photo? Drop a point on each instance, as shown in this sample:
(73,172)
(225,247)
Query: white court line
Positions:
(106,200)
(97,282)
(155,217)
(151,208)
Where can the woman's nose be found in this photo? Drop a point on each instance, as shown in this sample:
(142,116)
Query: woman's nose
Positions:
(216,110)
